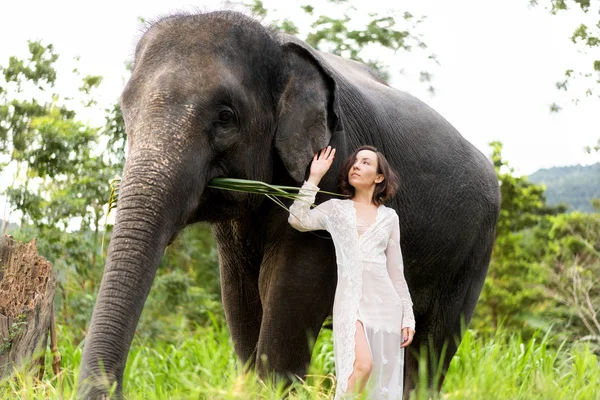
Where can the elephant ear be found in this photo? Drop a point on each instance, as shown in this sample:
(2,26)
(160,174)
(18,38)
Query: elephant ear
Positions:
(307,110)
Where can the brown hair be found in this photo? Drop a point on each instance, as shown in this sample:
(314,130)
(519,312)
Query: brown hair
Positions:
(383,190)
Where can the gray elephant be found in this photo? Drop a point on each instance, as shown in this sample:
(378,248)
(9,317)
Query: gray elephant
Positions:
(219,95)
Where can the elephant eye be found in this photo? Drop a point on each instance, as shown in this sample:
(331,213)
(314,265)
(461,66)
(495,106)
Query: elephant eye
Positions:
(225,117)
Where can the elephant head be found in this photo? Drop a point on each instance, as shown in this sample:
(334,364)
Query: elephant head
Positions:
(210,95)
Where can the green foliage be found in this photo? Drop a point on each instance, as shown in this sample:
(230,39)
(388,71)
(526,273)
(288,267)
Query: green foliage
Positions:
(187,282)
(39,67)
(187,285)
(336,32)
(76,258)
(15,329)
(523,203)
(90,82)
(512,295)
(544,265)
(573,186)
(596,147)
(512,292)
(585,37)
(574,266)
(58,176)
(114,133)
(15,114)
(258,8)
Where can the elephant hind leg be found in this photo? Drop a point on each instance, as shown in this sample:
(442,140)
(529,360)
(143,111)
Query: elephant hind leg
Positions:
(478,268)
(438,333)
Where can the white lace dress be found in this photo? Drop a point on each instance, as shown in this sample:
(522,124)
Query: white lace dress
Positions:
(371,288)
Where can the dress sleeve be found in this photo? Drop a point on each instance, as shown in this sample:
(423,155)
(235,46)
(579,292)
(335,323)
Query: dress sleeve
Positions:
(395,268)
(302,217)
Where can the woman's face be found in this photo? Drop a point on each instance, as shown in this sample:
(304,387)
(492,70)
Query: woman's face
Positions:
(363,173)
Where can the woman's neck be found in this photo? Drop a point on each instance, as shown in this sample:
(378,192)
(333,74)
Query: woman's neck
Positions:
(363,197)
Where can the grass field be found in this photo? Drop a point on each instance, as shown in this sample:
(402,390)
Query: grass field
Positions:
(203,365)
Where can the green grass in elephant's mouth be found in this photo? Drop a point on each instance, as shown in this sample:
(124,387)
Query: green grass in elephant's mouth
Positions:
(272,192)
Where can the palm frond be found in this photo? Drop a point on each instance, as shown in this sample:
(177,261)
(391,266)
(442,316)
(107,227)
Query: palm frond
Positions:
(272,192)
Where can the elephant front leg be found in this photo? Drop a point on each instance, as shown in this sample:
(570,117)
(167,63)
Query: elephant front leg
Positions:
(297,284)
(243,310)
(239,264)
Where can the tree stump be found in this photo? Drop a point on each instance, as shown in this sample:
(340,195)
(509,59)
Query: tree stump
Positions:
(27,284)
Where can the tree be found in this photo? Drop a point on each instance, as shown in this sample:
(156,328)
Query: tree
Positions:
(587,38)
(58,174)
(513,290)
(385,34)
(574,266)
(27,283)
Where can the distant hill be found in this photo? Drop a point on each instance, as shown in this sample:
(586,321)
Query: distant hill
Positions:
(574,186)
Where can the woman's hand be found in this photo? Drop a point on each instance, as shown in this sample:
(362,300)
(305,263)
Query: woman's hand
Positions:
(320,164)
(407,337)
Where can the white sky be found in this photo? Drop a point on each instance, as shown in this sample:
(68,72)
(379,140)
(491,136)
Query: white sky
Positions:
(499,63)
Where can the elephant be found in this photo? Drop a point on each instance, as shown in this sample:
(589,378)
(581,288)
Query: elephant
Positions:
(218,94)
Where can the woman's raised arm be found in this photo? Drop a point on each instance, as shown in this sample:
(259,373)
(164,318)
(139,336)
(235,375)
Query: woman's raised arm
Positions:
(301,216)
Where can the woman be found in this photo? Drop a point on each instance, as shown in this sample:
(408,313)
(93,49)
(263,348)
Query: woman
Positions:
(373,319)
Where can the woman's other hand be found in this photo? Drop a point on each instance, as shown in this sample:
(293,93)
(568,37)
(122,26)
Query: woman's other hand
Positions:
(407,337)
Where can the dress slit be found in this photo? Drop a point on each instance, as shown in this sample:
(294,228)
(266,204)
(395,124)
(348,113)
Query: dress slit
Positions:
(359,319)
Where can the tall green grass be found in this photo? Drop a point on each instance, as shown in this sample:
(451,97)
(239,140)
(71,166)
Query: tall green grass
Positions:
(203,365)
(505,367)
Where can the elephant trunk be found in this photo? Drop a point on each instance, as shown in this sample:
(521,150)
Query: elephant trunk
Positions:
(155,196)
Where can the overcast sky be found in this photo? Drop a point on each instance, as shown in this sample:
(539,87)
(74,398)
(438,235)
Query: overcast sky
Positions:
(499,63)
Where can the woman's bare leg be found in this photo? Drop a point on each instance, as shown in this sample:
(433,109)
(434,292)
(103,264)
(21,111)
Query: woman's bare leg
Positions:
(363,363)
